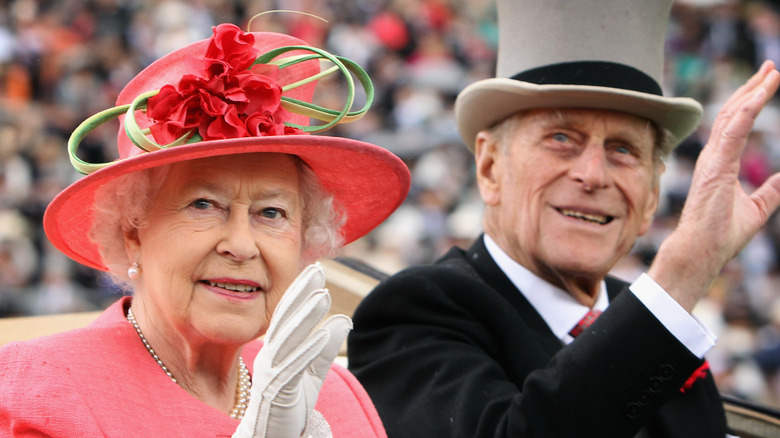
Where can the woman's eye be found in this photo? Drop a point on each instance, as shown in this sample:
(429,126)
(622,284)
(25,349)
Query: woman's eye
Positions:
(201,204)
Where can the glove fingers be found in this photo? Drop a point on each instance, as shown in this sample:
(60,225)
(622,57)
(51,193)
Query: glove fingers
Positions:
(276,389)
(316,358)
(310,279)
(294,366)
(300,324)
(338,327)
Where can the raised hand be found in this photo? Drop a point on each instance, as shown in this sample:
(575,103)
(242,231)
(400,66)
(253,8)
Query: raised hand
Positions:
(290,368)
(719,218)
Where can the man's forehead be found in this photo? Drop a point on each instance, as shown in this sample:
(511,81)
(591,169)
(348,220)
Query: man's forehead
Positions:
(585,115)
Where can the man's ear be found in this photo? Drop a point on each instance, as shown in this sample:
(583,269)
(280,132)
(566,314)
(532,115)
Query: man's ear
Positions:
(651,205)
(488,167)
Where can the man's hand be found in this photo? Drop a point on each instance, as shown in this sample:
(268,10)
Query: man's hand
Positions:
(290,368)
(719,218)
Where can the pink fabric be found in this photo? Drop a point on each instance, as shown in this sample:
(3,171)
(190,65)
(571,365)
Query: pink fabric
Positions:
(100,381)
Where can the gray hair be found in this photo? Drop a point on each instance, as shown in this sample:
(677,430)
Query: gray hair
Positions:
(122,204)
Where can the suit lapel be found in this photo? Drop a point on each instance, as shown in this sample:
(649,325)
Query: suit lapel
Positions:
(614,287)
(487,269)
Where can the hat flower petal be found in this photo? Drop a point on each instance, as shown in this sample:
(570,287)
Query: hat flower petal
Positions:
(226,94)
(232,45)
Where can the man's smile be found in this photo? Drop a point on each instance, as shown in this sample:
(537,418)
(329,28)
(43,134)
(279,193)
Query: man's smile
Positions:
(590,217)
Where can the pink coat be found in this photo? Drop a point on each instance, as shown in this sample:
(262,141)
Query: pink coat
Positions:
(101,381)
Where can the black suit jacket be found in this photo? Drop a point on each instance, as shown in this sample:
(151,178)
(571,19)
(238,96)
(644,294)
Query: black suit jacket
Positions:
(455,350)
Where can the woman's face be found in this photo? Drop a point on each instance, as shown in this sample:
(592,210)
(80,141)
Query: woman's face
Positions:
(221,243)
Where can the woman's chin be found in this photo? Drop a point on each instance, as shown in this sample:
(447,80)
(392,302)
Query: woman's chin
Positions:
(232,330)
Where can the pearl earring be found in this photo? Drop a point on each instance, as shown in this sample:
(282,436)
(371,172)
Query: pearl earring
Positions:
(134,271)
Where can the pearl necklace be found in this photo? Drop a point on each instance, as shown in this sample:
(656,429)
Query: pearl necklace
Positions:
(244,381)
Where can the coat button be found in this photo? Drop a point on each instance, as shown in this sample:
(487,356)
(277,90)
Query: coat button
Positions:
(666,371)
(644,398)
(632,410)
(655,384)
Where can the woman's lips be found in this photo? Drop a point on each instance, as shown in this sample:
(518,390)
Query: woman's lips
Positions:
(243,289)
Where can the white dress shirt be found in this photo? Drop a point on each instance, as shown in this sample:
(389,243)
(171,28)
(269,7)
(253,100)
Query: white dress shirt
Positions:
(562,312)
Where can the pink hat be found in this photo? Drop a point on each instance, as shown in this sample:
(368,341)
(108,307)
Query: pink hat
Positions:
(235,93)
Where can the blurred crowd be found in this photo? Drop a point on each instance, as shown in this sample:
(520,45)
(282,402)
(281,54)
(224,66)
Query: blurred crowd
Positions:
(64,60)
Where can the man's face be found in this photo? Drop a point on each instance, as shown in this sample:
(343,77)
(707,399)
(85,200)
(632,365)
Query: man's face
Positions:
(569,192)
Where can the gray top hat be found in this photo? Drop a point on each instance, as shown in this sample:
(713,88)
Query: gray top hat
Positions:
(600,54)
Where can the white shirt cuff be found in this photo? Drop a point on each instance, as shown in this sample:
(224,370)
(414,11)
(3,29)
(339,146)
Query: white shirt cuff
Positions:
(684,326)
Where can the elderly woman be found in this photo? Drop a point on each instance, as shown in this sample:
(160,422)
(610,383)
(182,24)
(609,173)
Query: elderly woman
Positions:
(217,203)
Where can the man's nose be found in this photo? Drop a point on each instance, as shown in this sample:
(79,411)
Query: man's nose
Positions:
(591,168)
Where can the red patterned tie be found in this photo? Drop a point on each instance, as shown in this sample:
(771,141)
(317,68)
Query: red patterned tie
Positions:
(584,322)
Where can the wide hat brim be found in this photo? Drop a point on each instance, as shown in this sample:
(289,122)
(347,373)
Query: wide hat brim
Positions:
(366,181)
(484,103)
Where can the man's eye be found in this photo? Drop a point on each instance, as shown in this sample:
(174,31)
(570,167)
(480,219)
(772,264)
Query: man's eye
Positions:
(560,137)
(623,150)
(272,213)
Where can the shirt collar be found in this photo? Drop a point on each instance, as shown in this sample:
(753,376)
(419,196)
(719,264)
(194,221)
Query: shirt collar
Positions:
(558,308)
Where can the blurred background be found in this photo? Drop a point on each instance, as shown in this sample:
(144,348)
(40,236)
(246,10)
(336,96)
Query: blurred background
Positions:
(64,60)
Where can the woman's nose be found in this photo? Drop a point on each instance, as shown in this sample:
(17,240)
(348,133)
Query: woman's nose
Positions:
(238,242)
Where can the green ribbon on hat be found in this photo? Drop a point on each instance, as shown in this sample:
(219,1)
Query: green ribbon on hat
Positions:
(317,112)
(140,137)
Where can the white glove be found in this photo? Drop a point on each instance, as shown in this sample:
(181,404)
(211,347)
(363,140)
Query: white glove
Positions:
(290,368)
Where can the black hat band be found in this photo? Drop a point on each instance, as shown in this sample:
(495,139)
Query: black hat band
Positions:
(592,73)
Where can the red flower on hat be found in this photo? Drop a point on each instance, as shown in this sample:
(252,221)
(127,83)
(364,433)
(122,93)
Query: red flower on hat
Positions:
(230,98)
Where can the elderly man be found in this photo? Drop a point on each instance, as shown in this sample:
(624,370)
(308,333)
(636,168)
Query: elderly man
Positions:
(568,143)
